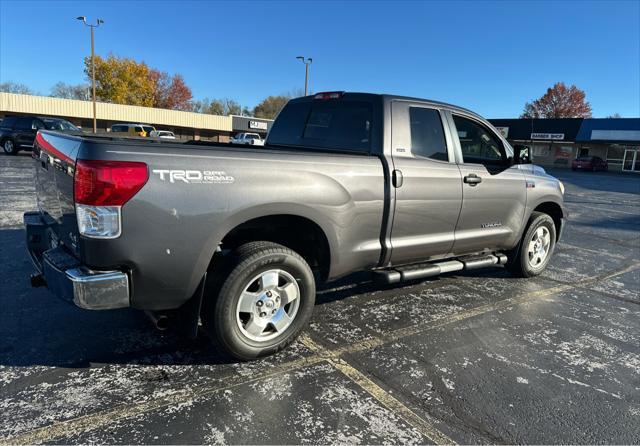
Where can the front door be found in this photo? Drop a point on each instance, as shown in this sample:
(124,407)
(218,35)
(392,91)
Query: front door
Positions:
(427,184)
(493,192)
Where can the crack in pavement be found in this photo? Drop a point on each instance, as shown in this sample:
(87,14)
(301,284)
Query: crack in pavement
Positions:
(425,427)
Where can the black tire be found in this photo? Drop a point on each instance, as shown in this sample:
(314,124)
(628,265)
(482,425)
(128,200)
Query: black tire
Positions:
(518,262)
(9,146)
(220,318)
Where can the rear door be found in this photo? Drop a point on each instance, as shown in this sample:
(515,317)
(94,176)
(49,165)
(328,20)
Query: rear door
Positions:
(493,192)
(26,132)
(427,184)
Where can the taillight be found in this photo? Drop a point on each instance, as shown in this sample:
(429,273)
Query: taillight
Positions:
(108,183)
(100,189)
(329,95)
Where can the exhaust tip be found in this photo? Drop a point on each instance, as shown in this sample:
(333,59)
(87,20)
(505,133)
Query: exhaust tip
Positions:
(159,320)
(37,280)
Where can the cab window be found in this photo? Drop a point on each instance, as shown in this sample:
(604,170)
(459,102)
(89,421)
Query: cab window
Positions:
(478,144)
(427,134)
(138,129)
(24,124)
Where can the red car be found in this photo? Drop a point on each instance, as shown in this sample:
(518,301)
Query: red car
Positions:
(591,163)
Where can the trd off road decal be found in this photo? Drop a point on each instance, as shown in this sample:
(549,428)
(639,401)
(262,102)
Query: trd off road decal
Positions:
(195,176)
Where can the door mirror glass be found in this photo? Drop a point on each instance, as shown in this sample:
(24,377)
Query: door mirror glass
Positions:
(521,154)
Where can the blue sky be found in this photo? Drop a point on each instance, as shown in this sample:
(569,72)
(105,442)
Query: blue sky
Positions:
(491,57)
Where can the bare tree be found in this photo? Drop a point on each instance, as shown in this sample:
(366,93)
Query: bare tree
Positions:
(15,87)
(66,91)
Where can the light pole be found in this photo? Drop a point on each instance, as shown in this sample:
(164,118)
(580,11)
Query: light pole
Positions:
(99,22)
(306,63)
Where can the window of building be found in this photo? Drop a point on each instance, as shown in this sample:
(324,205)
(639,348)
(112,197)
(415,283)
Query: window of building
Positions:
(478,144)
(427,134)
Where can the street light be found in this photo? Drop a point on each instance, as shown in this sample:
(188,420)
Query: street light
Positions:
(306,71)
(99,22)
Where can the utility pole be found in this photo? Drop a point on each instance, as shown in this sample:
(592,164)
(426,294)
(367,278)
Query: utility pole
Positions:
(306,63)
(99,22)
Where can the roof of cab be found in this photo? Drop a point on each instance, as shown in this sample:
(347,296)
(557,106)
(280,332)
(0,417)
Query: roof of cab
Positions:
(390,97)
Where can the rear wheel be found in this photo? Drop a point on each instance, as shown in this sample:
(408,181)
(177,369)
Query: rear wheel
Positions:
(9,147)
(532,255)
(264,302)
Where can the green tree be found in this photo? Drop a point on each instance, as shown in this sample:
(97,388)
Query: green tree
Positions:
(270,106)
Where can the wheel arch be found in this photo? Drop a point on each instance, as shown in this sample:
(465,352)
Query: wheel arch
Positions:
(553,210)
(301,233)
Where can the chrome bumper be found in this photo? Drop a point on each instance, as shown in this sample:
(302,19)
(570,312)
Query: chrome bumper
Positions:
(68,279)
(99,290)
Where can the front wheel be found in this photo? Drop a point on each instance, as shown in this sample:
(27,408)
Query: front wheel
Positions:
(9,147)
(532,255)
(263,304)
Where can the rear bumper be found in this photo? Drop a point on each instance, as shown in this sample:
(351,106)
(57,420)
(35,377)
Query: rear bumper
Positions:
(67,278)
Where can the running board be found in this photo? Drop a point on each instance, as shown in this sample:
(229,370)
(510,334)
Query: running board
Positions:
(421,271)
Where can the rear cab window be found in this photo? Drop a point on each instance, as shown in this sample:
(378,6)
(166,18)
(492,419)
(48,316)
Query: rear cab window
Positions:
(344,125)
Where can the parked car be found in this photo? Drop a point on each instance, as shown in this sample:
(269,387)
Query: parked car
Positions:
(247,138)
(591,163)
(18,133)
(133,129)
(164,134)
(238,238)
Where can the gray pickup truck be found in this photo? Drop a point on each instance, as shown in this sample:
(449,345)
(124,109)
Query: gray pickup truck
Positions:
(235,239)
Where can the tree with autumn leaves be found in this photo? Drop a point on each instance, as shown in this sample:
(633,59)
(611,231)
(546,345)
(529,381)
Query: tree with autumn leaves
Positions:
(125,81)
(559,101)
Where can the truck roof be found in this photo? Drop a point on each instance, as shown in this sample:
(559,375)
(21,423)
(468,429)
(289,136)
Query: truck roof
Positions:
(390,97)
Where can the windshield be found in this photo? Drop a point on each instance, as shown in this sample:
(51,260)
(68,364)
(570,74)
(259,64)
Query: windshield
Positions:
(148,129)
(60,124)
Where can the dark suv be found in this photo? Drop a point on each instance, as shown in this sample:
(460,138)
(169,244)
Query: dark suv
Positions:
(18,133)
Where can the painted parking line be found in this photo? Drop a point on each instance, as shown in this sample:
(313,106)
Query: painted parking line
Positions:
(86,423)
(426,428)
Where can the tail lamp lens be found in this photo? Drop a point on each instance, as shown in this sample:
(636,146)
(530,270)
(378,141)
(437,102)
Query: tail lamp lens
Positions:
(100,189)
(98,221)
(108,183)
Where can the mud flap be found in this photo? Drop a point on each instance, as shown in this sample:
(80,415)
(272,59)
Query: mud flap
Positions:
(188,316)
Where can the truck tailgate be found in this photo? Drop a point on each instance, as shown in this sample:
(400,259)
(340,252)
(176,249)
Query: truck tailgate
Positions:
(55,158)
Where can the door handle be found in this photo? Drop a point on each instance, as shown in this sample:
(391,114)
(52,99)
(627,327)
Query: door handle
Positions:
(396,178)
(472,179)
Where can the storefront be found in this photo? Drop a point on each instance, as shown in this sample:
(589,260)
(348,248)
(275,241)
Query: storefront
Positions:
(244,124)
(557,142)
(618,139)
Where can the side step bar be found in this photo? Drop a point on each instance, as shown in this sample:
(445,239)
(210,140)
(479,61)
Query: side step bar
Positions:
(421,271)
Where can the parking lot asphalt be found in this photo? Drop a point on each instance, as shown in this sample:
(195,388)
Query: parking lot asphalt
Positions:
(468,358)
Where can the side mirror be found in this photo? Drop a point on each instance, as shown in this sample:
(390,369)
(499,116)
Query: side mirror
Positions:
(521,154)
